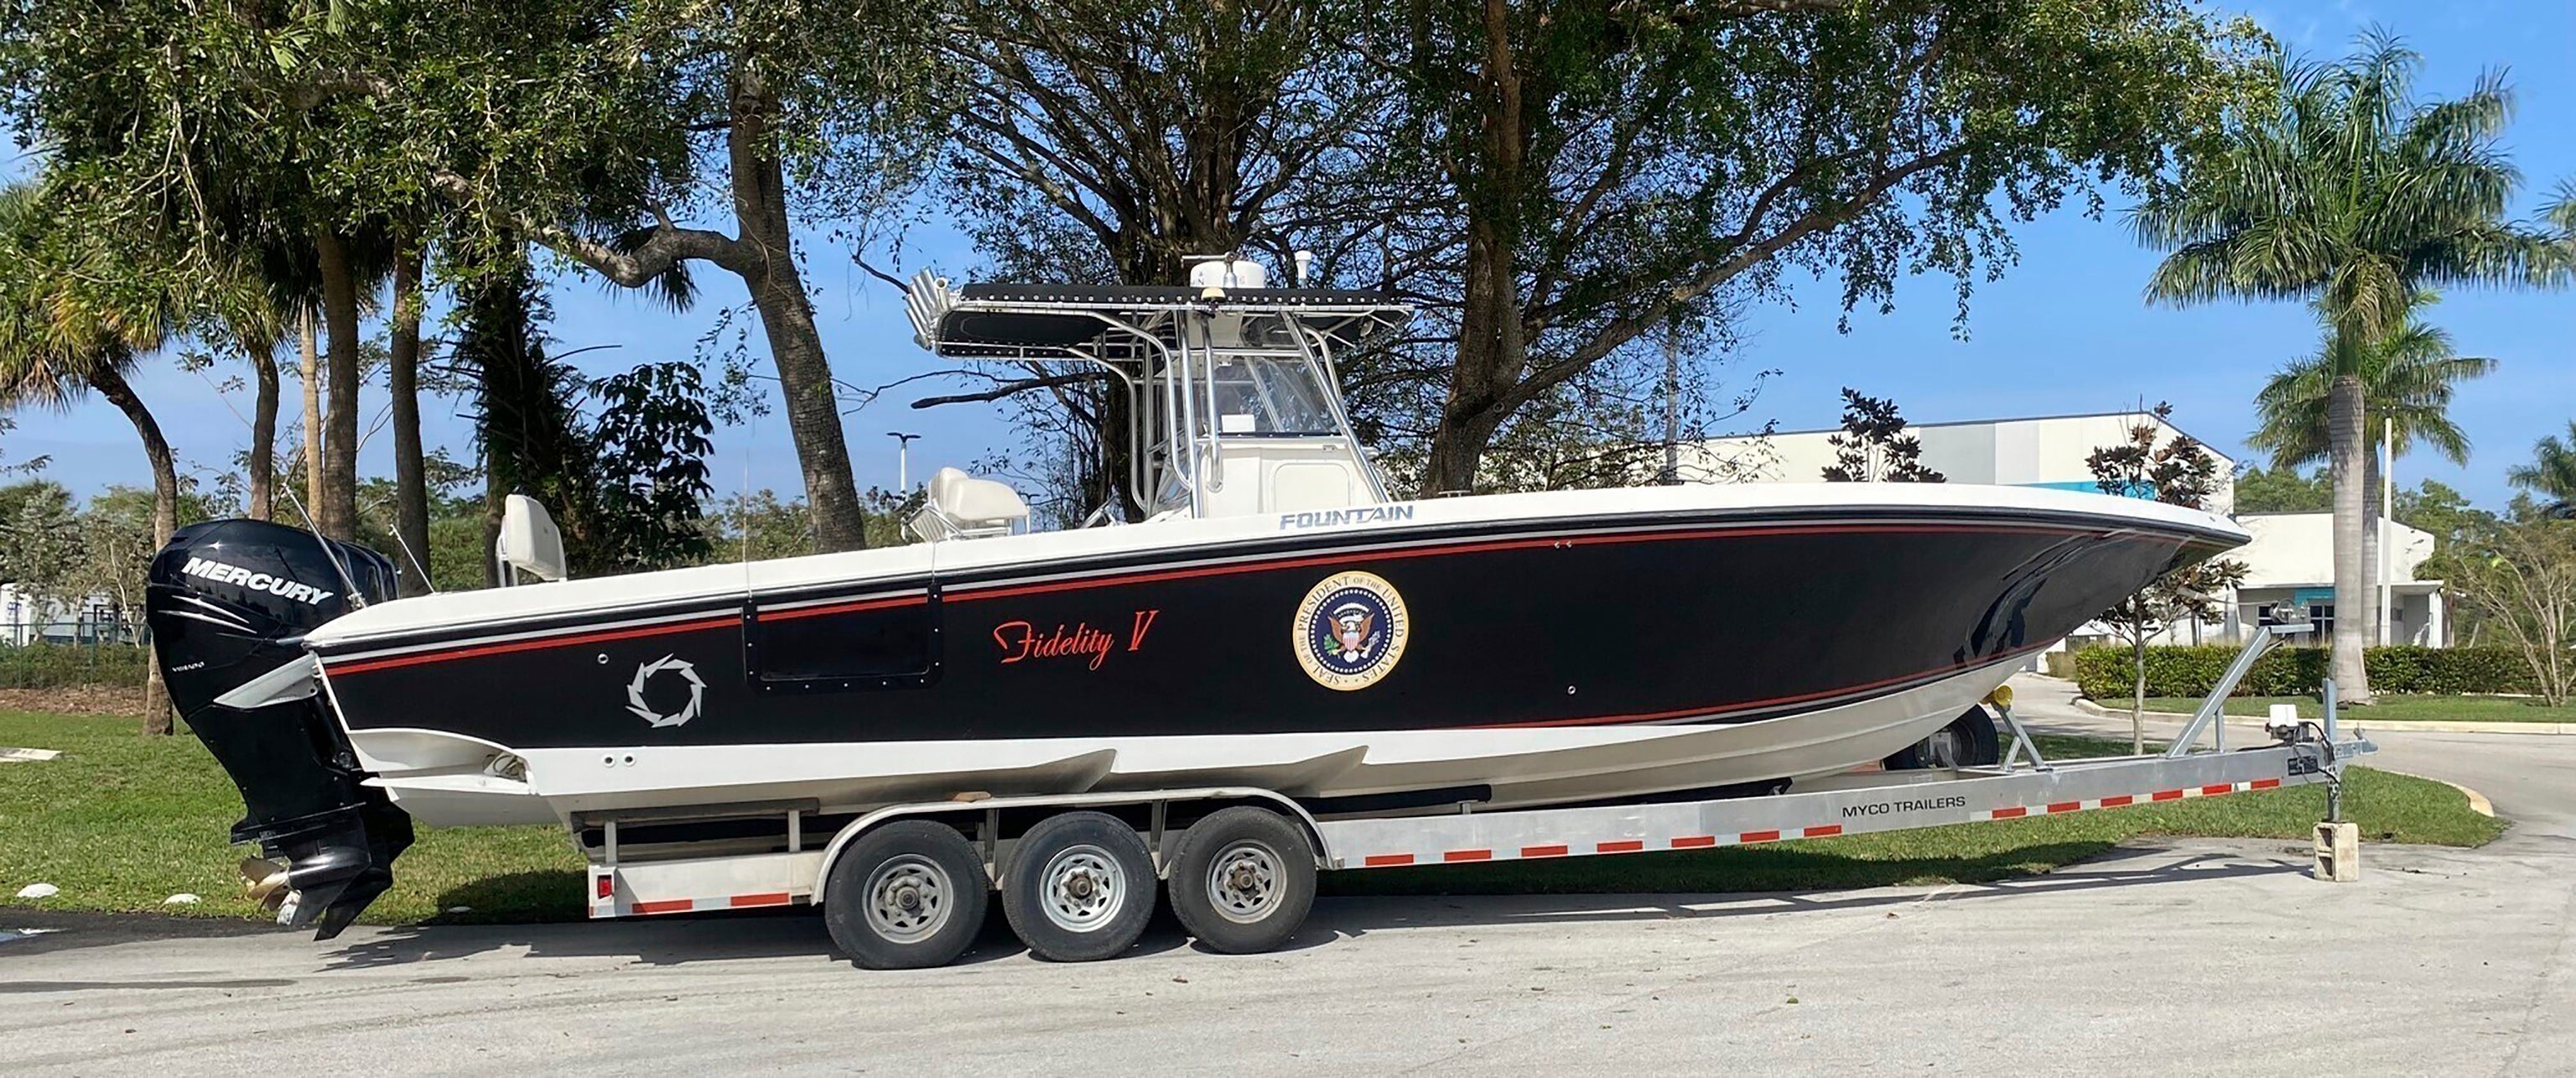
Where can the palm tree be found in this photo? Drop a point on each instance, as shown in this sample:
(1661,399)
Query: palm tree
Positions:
(71,324)
(2551,473)
(2346,192)
(2407,381)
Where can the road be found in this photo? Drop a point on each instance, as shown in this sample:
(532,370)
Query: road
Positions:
(2166,958)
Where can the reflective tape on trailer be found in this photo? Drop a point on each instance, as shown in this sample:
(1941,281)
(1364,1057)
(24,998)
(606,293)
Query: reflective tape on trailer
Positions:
(702,905)
(2055,808)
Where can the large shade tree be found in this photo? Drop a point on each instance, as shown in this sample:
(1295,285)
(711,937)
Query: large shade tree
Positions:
(76,315)
(1592,172)
(2407,380)
(2345,190)
(752,120)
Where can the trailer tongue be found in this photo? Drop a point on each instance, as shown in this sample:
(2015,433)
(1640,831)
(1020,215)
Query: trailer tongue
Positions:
(228,603)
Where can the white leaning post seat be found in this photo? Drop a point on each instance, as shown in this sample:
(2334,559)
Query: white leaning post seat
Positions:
(960,506)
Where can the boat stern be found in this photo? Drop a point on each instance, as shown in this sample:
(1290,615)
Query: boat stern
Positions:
(228,603)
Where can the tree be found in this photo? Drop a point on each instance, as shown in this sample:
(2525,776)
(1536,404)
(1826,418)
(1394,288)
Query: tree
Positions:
(2282,490)
(2177,472)
(402,384)
(1108,141)
(525,404)
(2407,380)
(75,316)
(2522,577)
(2343,190)
(1873,446)
(788,97)
(2551,473)
(1565,180)
(40,548)
(649,450)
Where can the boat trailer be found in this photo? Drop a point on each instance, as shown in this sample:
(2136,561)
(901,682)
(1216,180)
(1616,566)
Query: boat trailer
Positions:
(906,885)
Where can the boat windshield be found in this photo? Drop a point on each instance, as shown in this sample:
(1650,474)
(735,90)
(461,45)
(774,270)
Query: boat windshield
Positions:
(1270,395)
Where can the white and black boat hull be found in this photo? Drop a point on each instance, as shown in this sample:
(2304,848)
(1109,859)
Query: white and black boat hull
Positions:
(1526,650)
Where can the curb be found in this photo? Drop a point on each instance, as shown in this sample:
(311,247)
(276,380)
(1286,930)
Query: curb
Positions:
(2383,725)
(2478,802)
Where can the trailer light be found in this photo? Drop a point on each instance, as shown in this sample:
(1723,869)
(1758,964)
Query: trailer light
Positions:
(607,885)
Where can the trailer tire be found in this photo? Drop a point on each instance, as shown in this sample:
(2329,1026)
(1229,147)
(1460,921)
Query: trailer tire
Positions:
(908,895)
(1080,887)
(1243,879)
(1968,741)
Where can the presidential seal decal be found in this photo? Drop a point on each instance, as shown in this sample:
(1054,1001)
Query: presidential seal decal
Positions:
(1350,630)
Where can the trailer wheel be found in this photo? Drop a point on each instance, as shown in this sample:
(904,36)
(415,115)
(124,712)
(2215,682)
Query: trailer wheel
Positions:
(1242,879)
(908,895)
(1079,888)
(1968,741)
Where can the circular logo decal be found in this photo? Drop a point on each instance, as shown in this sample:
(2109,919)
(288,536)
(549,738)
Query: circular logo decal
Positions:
(1350,630)
(688,675)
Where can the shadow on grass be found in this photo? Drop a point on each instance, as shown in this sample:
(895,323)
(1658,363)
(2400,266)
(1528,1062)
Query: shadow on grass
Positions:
(545,895)
(1355,904)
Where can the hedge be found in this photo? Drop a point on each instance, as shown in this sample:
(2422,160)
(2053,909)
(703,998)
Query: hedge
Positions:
(2105,673)
(47,666)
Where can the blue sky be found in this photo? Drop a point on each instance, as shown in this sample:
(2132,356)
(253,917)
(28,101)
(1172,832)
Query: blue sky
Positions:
(2065,331)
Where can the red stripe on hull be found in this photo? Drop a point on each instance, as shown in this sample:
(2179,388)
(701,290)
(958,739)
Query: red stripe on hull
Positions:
(532,645)
(1357,557)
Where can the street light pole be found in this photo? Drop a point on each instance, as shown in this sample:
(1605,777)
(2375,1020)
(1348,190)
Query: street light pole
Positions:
(902,460)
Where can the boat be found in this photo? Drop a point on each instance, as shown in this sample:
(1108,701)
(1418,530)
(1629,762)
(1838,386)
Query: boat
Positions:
(1279,620)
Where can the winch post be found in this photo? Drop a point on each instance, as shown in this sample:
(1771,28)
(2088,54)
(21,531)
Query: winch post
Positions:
(2338,845)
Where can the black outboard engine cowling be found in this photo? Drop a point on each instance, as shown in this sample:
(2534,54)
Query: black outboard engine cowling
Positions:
(229,603)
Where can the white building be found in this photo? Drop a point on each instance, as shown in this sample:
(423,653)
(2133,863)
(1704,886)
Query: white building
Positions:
(2289,562)
(2041,451)
(26,619)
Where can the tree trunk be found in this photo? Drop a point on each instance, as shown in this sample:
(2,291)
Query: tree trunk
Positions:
(2349,450)
(261,461)
(338,514)
(311,370)
(786,316)
(111,384)
(402,376)
(1492,352)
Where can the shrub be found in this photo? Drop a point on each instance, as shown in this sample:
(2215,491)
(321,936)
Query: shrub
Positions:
(48,666)
(2104,673)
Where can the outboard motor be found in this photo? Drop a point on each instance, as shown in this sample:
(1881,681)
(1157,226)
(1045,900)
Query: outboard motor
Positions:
(229,603)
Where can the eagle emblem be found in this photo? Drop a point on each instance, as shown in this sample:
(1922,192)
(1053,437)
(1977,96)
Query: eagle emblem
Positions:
(1350,630)
(1355,628)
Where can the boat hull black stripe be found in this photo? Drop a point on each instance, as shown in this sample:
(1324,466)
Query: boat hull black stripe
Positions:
(1507,632)
(978,581)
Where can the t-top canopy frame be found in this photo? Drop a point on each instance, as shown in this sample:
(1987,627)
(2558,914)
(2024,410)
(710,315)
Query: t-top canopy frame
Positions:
(1159,341)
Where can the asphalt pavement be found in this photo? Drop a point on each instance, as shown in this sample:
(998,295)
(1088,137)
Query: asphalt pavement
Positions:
(2162,958)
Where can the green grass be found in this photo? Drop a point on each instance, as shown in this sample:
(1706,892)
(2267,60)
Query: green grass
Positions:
(2389,808)
(2390,708)
(120,822)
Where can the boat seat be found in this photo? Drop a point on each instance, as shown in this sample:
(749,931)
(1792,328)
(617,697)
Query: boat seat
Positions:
(960,506)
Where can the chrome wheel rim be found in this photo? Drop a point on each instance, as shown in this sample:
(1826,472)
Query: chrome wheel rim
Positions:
(1243,883)
(1082,888)
(908,898)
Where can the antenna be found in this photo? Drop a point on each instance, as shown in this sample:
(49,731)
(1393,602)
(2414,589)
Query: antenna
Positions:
(330,549)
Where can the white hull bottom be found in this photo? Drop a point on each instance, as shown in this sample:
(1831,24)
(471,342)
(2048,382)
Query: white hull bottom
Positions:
(437,778)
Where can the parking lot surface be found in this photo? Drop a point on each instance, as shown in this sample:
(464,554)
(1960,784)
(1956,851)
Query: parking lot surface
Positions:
(2191,956)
